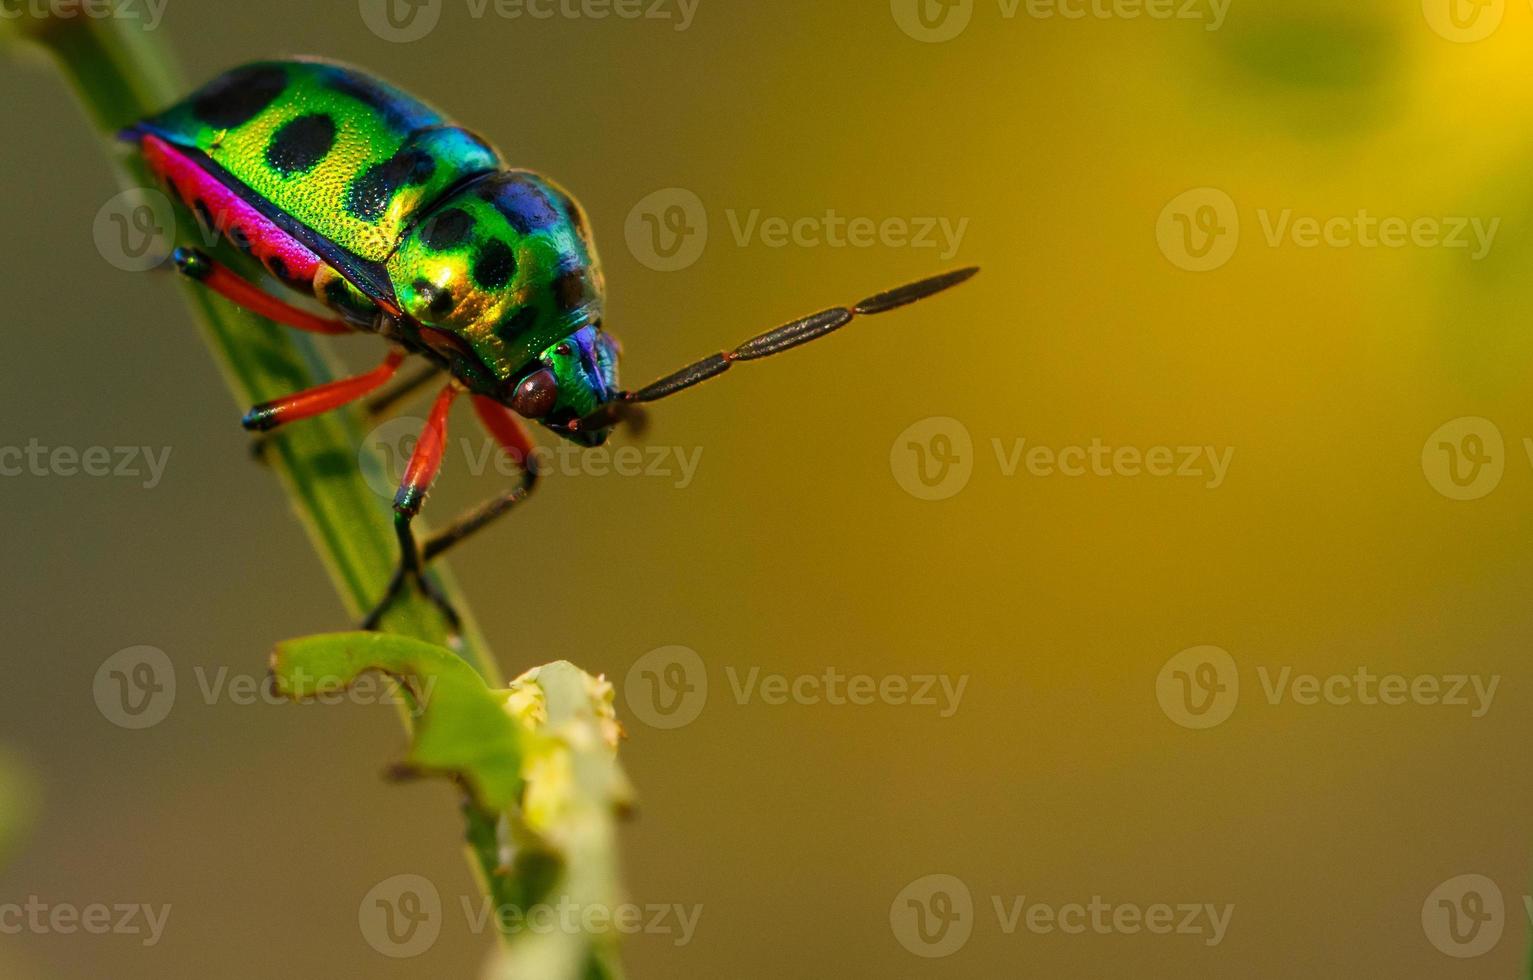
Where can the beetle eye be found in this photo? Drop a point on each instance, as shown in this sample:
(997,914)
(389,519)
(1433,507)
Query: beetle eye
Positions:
(535,395)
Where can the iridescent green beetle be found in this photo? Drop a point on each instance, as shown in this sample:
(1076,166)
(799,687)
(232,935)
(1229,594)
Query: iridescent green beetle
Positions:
(400,223)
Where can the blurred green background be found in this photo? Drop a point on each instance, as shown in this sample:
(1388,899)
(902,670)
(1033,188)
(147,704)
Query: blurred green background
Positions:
(1065,149)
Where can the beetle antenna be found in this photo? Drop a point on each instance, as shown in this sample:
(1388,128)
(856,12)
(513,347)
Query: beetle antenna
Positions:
(775,341)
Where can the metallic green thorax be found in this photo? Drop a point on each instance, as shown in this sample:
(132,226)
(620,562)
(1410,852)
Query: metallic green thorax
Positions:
(504,267)
(491,268)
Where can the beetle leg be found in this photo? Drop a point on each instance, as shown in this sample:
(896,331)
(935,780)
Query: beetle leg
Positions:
(508,430)
(197,267)
(324,398)
(420,474)
(377,407)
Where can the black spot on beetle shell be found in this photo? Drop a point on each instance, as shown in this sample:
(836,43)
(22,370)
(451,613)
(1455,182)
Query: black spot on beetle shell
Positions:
(238,97)
(369,195)
(438,301)
(495,264)
(514,326)
(204,213)
(336,295)
(301,143)
(447,229)
(277,266)
(572,290)
(239,238)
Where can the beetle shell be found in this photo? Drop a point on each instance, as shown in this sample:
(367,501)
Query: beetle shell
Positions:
(350,157)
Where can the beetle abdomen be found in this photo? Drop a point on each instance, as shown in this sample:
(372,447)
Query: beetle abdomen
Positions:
(342,153)
(222,211)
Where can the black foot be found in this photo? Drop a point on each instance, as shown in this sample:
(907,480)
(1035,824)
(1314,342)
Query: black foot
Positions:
(404,576)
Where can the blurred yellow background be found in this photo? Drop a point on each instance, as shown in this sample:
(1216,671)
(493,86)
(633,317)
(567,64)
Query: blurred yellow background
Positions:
(1329,370)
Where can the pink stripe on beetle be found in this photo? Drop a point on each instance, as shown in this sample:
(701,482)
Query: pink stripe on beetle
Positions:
(283,255)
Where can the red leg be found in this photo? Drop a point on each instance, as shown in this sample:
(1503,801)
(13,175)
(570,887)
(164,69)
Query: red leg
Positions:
(197,266)
(508,430)
(425,463)
(325,398)
(427,459)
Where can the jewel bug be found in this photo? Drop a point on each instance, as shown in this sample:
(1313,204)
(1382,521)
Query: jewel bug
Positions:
(400,223)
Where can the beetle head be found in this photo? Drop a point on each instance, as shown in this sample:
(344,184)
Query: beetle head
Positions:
(570,382)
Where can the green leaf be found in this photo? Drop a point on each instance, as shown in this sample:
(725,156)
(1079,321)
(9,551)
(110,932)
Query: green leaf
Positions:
(461,728)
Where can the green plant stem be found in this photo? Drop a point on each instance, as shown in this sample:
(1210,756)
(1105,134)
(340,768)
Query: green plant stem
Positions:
(121,74)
